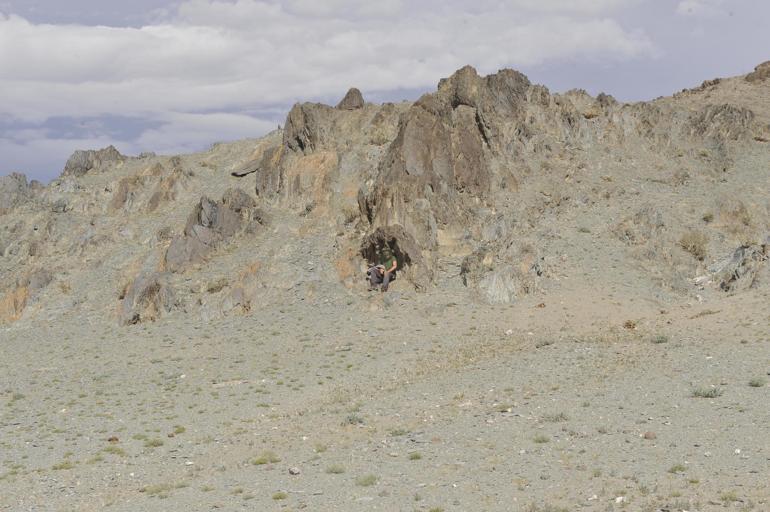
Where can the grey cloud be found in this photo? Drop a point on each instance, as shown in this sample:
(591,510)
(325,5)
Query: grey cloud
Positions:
(210,70)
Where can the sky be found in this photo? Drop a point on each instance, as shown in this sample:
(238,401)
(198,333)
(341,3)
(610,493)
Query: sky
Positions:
(177,76)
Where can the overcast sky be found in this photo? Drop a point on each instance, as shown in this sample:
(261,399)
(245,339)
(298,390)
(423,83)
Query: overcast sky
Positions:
(177,76)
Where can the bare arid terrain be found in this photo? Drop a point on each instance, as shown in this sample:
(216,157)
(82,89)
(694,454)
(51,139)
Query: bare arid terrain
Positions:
(580,321)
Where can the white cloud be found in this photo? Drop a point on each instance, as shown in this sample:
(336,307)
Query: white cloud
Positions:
(230,56)
(184,133)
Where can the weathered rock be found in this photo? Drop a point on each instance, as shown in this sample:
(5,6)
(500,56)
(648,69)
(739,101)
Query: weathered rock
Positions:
(14,190)
(353,100)
(760,73)
(440,165)
(307,127)
(739,272)
(411,263)
(502,272)
(210,224)
(146,298)
(24,290)
(81,162)
(721,122)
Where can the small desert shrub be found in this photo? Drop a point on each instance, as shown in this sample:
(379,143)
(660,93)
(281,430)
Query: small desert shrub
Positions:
(541,439)
(266,457)
(735,216)
(757,382)
(353,419)
(660,338)
(695,243)
(63,465)
(708,217)
(706,392)
(676,468)
(415,456)
(335,469)
(728,496)
(115,450)
(280,496)
(555,418)
(153,443)
(155,489)
(366,480)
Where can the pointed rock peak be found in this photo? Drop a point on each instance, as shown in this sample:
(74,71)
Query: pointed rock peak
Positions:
(353,100)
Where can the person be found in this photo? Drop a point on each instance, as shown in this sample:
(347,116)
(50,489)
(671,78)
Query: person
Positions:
(383,273)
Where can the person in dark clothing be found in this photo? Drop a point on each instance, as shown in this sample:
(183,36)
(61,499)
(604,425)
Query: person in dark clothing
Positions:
(383,273)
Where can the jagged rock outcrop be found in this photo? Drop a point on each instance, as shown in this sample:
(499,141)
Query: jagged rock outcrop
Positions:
(23,291)
(82,162)
(353,100)
(740,271)
(760,73)
(146,298)
(440,166)
(210,224)
(14,190)
(502,272)
(462,179)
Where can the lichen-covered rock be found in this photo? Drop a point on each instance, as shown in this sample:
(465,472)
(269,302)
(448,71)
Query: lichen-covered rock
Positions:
(146,298)
(81,162)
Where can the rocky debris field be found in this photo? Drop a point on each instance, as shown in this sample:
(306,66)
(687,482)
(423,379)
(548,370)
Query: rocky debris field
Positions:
(580,319)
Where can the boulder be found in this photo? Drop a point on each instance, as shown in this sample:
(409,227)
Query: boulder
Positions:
(502,271)
(146,298)
(353,100)
(739,272)
(210,224)
(82,162)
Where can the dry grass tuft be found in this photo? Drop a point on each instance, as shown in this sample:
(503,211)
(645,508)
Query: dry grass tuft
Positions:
(695,243)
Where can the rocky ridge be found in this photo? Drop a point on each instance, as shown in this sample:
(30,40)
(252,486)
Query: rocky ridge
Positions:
(492,184)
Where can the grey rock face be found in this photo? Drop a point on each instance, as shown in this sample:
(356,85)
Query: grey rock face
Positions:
(81,162)
(740,271)
(209,224)
(353,100)
(147,298)
(14,189)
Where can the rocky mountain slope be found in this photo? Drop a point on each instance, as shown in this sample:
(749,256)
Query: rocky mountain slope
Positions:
(489,181)
(580,322)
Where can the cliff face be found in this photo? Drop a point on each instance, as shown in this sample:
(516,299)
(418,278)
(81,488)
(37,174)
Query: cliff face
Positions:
(490,183)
